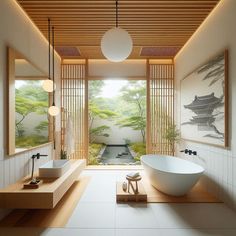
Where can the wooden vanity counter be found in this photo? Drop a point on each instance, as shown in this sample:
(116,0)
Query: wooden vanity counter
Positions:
(49,193)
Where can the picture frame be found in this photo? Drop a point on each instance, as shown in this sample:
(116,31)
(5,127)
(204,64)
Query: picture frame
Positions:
(204,103)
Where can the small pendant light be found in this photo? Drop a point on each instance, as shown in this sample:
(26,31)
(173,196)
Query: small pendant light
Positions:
(53,110)
(48,83)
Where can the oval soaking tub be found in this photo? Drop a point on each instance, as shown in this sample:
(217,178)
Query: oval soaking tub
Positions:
(171,175)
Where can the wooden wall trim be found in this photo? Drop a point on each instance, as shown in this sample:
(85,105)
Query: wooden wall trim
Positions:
(11,101)
(86,118)
(148,121)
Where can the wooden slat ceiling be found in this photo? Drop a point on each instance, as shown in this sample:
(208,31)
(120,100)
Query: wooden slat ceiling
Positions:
(81,23)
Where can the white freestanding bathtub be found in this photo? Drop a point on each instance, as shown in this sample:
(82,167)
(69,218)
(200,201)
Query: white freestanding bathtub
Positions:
(171,175)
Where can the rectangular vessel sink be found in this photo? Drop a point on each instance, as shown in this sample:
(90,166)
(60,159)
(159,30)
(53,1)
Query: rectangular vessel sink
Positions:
(54,168)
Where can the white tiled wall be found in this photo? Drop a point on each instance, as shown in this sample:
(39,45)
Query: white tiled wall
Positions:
(215,34)
(220,169)
(34,46)
(14,168)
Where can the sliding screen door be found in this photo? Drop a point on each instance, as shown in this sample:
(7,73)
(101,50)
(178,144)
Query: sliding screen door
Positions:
(161,107)
(74,93)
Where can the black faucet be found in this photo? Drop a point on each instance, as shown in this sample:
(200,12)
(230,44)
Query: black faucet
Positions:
(190,152)
(194,153)
(38,155)
(185,151)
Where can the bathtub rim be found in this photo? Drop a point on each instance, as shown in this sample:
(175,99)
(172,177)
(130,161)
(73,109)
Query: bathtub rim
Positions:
(172,172)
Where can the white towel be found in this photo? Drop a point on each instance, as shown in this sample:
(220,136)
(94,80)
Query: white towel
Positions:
(133,175)
(69,137)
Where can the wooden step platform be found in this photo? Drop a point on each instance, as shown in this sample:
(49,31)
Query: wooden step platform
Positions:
(122,196)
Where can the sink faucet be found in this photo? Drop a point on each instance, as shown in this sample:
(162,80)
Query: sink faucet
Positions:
(38,155)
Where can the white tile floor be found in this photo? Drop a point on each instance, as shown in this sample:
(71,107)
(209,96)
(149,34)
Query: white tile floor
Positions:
(98,214)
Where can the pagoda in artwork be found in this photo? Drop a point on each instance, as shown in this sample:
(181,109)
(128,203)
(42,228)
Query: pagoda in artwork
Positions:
(203,107)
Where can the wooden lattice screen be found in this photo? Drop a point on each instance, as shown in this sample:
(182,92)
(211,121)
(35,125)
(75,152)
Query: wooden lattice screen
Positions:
(74,102)
(161,107)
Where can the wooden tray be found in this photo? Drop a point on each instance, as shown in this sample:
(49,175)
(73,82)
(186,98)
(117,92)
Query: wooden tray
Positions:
(32,186)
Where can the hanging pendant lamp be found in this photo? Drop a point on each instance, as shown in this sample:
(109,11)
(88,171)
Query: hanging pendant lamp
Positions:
(53,110)
(48,83)
(116,43)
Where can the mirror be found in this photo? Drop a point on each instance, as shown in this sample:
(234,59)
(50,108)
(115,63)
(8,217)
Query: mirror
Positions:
(28,119)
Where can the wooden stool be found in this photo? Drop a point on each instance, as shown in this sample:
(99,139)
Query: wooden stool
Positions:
(130,180)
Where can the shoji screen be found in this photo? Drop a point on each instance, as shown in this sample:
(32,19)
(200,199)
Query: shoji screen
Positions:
(74,102)
(160,106)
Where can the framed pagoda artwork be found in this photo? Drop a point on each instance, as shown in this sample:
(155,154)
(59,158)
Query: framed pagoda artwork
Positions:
(204,103)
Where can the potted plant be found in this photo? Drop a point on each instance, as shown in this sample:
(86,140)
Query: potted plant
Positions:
(172,135)
(63,154)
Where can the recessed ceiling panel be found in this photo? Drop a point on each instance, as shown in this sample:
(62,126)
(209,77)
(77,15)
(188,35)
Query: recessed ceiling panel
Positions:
(67,51)
(159,51)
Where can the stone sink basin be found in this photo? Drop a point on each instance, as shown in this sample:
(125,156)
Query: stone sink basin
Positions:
(54,168)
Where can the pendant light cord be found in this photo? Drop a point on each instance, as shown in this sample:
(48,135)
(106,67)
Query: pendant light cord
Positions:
(53,79)
(49,49)
(53,76)
(116,14)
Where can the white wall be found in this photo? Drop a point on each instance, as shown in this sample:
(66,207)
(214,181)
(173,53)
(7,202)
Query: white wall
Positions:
(217,33)
(118,70)
(23,69)
(117,134)
(18,32)
(31,121)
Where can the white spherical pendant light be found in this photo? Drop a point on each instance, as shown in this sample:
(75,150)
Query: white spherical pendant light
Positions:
(48,85)
(53,110)
(116,44)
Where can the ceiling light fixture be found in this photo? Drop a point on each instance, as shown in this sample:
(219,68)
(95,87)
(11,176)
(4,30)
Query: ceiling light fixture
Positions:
(53,110)
(116,43)
(48,83)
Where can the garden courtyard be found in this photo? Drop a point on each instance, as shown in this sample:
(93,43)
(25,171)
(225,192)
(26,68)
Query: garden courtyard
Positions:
(117,122)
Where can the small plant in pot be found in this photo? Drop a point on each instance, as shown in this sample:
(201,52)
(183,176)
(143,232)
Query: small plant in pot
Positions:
(172,135)
(63,154)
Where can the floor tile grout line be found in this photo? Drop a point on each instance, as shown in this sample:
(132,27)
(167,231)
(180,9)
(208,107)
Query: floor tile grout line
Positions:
(143,228)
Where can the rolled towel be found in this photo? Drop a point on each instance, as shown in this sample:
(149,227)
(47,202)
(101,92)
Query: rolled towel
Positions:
(133,175)
(124,186)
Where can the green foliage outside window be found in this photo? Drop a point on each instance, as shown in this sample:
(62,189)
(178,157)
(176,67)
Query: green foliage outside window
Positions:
(126,110)
(30,98)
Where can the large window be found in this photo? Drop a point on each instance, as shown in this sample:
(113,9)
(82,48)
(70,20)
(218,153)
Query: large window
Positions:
(117,121)
(31,119)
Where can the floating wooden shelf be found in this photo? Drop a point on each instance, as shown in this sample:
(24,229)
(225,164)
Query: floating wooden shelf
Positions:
(46,196)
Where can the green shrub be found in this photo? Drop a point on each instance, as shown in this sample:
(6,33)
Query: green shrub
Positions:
(30,141)
(139,149)
(94,150)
